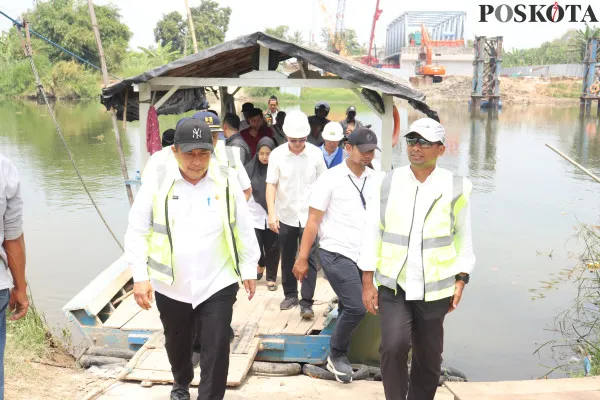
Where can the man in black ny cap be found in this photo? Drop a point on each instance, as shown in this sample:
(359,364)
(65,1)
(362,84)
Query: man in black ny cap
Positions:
(338,213)
(190,240)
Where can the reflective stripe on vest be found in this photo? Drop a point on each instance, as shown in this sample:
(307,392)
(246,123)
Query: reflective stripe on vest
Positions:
(160,263)
(439,252)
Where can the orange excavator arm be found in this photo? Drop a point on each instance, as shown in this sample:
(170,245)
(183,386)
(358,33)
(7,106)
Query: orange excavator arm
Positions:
(426,43)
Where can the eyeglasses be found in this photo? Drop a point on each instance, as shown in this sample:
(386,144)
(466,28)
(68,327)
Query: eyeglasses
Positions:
(425,144)
(294,141)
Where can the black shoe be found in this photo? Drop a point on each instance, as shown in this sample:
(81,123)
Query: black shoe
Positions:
(179,392)
(195,359)
(288,303)
(341,368)
(307,312)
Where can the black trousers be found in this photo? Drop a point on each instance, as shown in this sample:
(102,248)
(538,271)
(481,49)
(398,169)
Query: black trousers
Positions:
(268,242)
(345,280)
(403,323)
(289,240)
(213,318)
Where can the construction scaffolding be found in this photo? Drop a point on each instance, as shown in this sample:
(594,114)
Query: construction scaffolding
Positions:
(486,71)
(442,25)
(591,79)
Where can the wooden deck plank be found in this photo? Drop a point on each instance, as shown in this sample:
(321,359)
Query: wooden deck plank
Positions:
(153,364)
(321,302)
(272,310)
(145,320)
(124,313)
(506,389)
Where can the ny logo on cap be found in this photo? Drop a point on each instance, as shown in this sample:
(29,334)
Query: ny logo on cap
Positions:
(196,133)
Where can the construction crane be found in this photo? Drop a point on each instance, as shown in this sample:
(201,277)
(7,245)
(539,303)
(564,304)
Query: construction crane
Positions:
(423,66)
(368,59)
(335,31)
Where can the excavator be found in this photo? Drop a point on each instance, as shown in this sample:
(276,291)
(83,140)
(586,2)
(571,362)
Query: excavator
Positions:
(423,66)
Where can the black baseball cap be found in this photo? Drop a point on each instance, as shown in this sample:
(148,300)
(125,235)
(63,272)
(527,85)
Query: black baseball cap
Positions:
(193,134)
(364,138)
(247,107)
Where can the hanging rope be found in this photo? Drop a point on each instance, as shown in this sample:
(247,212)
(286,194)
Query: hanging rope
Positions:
(42,92)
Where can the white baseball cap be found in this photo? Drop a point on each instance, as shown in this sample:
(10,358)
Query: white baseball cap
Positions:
(296,125)
(429,129)
(333,132)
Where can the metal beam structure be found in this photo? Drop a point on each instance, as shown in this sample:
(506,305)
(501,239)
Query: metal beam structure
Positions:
(486,71)
(443,25)
(591,78)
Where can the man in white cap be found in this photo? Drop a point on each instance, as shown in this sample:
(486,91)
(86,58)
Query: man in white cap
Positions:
(418,247)
(332,134)
(338,210)
(293,169)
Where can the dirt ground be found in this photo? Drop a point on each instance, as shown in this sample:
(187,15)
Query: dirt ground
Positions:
(513,90)
(281,388)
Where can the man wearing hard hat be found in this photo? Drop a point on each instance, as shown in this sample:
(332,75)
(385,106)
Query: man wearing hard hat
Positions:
(293,169)
(333,154)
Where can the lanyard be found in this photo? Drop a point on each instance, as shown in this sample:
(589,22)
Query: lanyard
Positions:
(360,191)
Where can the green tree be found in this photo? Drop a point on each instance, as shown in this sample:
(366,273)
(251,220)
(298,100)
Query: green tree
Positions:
(67,22)
(296,37)
(211,23)
(579,40)
(280,32)
(171,29)
(161,55)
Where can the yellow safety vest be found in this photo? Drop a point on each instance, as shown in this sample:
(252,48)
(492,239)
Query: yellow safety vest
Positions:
(439,244)
(160,242)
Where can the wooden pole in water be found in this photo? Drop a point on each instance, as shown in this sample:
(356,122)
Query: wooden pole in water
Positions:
(113,113)
(191,23)
(560,153)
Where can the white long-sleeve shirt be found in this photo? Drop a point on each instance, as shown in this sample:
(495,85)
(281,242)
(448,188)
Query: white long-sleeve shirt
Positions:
(414,285)
(201,258)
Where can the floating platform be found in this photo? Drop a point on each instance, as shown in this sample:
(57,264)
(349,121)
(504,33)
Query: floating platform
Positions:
(106,312)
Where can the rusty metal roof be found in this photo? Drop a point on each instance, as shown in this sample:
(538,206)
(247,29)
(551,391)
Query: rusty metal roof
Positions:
(239,56)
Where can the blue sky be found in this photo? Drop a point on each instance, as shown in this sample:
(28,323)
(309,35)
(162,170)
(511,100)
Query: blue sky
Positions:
(305,15)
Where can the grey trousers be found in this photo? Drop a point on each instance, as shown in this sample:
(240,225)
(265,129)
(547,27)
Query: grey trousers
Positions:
(404,323)
(345,280)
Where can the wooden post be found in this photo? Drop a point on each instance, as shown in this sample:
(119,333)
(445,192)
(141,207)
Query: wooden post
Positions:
(112,110)
(191,23)
(387,128)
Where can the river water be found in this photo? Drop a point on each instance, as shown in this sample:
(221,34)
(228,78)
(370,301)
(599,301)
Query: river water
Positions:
(525,206)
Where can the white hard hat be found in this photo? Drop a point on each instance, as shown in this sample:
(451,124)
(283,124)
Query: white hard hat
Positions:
(333,132)
(296,125)
(429,129)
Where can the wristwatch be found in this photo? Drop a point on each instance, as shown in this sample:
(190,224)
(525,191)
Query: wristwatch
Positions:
(464,278)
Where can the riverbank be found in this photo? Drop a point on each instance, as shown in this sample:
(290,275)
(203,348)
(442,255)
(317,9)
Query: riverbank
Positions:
(513,90)
(37,363)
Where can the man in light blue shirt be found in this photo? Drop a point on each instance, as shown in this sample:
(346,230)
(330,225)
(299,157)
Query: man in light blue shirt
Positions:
(333,154)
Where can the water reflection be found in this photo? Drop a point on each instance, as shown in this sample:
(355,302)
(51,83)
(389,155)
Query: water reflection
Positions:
(482,149)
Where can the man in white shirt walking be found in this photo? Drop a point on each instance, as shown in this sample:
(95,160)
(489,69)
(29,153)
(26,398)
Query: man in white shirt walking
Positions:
(191,238)
(338,210)
(418,248)
(293,169)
